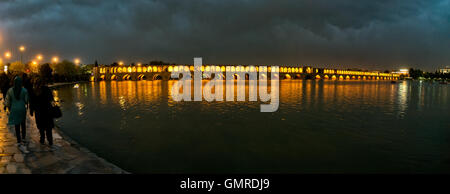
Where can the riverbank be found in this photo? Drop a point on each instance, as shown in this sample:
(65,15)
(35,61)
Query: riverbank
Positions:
(59,84)
(68,157)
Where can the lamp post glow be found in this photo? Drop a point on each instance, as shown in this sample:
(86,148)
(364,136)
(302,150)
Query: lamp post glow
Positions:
(55,59)
(39,57)
(77,61)
(121,63)
(22,50)
(8,55)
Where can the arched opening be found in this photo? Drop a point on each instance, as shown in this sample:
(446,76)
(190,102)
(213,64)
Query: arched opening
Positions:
(317,76)
(341,77)
(102,78)
(298,76)
(353,77)
(333,77)
(236,77)
(113,77)
(142,77)
(347,77)
(157,77)
(262,76)
(219,75)
(287,76)
(126,77)
(326,77)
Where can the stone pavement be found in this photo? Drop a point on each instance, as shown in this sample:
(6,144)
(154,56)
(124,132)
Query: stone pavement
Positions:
(68,158)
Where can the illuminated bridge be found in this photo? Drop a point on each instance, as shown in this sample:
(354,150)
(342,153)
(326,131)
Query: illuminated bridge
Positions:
(163,72)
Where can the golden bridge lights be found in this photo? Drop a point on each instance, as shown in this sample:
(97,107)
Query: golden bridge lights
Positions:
(120,63)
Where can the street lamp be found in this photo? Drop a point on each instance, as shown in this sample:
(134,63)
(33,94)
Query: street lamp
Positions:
(21,49)
(77,61)
(55,59)
(39,57)
(8,55)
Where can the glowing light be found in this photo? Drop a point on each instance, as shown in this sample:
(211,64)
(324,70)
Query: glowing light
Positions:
(39,57)
(55,59)
(77,61)
(120,62)
(8,55)
(22,48)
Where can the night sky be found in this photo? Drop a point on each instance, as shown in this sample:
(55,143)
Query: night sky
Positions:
(369,34)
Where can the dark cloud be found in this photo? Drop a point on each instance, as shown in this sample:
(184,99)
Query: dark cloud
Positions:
(374,34)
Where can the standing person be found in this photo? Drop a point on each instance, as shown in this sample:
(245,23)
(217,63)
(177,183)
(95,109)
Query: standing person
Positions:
(4,84)
(16,100)
(41,106)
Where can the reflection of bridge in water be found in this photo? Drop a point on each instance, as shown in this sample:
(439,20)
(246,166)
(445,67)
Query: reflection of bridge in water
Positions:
(163,72)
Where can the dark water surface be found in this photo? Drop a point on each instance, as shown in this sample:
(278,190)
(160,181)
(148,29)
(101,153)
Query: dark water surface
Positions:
(320,127)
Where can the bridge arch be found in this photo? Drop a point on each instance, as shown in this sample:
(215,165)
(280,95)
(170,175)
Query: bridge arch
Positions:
(318,77)
(326,77)
(157,77)
(126,77)
(114,77)
(142,77)
(287,76)
(297,76)
(102,77)
(262,76)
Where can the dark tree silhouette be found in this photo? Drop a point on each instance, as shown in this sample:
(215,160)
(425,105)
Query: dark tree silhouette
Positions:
(45,72)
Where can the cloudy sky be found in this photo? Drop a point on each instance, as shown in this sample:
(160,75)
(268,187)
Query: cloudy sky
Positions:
(370,34)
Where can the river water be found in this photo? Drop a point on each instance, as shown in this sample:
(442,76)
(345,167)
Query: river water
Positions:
(320,127)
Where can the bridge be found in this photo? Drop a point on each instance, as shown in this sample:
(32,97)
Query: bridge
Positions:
(163,72)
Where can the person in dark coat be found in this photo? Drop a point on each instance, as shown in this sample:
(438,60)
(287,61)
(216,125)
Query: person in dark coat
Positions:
(41,106)
(4,84)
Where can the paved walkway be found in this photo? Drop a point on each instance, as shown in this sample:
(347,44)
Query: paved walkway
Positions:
(69,157)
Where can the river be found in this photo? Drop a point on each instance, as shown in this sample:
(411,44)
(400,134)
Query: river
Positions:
(320,127)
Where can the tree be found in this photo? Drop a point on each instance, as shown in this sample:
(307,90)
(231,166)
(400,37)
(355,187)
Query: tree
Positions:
(17,67)
(86,69)
(45,71)
(65,68)
(415,73)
